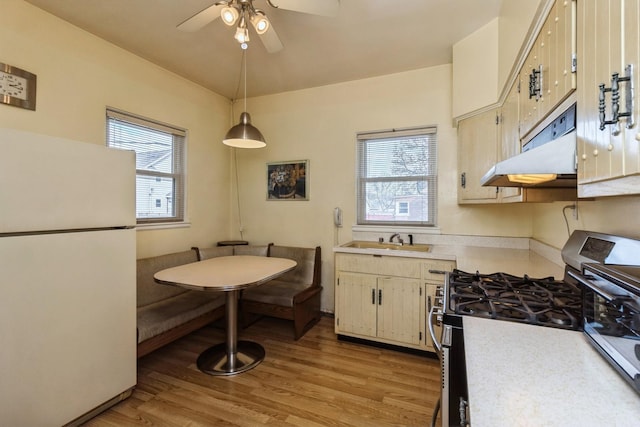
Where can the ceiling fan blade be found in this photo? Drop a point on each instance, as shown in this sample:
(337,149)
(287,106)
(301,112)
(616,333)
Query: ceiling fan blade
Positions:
(201,19)
(314,7)
(271,41)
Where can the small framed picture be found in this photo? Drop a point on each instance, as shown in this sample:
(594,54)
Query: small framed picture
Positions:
(288,180)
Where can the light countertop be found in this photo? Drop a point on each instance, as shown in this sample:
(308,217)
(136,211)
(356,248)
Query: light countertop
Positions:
(525,375)
(486,260)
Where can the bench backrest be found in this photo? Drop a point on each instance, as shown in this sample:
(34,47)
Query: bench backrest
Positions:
(257,250)
(213,252)
(307,272)
(216,251)
(148,291)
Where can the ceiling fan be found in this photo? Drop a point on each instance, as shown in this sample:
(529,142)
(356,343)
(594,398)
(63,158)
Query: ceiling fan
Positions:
(242,12)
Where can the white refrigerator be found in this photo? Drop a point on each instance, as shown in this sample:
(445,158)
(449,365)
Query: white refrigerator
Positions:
(67,279)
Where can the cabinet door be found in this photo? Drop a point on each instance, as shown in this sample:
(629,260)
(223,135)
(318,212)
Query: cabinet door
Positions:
(399,308)
(477,153)
(563,46)
(356,304)
(510,137)
(599,46)
(632,56)
(528,100)
(431,301)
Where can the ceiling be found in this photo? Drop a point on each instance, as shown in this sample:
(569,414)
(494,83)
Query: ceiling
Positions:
(367,38)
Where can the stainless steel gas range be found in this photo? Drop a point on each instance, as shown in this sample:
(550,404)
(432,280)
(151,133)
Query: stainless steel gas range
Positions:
(599,294)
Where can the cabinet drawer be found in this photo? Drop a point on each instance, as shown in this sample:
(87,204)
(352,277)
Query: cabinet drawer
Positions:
(381,265)
(436,265)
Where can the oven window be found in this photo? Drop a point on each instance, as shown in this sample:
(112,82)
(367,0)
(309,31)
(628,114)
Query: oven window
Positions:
(615,326)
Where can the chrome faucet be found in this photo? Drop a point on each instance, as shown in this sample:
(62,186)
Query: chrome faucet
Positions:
(400,241)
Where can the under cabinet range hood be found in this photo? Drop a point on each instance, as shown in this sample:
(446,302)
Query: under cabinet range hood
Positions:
(547,161)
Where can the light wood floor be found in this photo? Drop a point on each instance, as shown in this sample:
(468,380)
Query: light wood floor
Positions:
(316,381)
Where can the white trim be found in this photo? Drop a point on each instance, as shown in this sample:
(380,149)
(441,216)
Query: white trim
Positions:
(163,226)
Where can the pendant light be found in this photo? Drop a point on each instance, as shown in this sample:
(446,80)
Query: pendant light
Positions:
(244,134)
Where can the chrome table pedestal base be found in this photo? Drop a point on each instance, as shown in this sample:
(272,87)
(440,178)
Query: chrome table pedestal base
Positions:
(215,361)
(233,356)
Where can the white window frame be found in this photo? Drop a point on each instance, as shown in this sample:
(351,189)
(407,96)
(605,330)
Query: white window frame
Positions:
(117,118)
(367,141)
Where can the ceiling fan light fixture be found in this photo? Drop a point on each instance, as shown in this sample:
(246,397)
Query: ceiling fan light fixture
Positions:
(244,134)
(242,32)
(229,15)
(260,22)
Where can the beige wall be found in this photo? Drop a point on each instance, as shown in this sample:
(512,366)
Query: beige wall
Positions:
(475,70)
(79,75)
(615,215)
(320,125)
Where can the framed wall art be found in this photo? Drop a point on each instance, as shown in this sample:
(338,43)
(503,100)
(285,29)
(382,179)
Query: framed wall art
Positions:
(288,180)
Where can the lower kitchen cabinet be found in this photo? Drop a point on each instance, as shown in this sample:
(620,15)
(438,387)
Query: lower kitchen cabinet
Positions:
(389,308)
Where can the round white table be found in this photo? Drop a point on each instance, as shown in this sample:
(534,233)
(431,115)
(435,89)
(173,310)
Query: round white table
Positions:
(228,274)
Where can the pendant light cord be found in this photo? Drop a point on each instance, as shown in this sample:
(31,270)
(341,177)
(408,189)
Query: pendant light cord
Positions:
(235,150)
(240,226)
(244,60)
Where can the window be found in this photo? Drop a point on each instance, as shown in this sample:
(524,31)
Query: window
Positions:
(397,177)
(160,153)
(402,208)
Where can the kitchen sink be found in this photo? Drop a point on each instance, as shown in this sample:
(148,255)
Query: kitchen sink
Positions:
(358,244)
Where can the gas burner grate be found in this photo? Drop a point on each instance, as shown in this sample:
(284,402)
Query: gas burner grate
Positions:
(545,301)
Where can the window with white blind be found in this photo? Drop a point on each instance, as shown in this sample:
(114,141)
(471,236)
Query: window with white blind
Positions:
(160,171)
(397,177)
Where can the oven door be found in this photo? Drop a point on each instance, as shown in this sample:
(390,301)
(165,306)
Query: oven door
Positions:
(611,317)
(453,404)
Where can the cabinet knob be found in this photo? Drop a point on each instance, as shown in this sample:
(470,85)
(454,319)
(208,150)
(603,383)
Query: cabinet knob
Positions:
(610,147)
(595,152)
(584,156)
(637,136)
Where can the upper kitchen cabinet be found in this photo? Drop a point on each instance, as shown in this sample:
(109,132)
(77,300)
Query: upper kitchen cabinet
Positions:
(547,76)
(477,142)
(484,140)
(607,116)
(509,138)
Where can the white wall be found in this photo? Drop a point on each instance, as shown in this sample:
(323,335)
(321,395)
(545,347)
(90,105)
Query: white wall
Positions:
(79,75)
(320,125)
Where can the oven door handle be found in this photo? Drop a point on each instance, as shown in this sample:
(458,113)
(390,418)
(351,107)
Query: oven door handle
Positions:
(432,331)
(434,416)
(583,280)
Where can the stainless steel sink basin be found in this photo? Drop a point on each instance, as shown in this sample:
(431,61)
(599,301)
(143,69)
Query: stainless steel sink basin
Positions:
(357,244)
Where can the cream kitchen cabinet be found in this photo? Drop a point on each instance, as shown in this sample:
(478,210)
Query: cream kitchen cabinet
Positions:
(509,144)
(487,138)
(386,298)
(548,76)
(477,153)
(607,114)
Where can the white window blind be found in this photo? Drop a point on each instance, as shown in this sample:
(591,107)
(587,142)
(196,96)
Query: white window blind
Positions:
(160,158)
(397,177)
